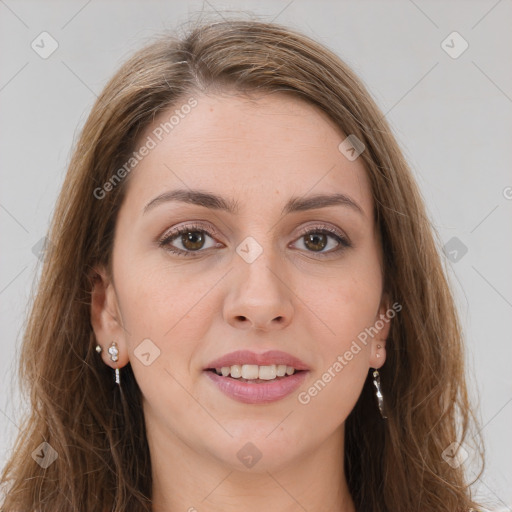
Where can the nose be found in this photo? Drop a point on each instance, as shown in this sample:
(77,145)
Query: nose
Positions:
(260,296)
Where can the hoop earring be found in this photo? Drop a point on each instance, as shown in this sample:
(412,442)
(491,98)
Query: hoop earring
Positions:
(378,393)
(113,352)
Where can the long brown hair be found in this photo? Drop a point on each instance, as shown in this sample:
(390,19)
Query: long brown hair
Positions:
(98,430)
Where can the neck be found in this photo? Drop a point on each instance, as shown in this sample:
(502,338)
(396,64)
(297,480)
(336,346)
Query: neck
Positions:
(196,480)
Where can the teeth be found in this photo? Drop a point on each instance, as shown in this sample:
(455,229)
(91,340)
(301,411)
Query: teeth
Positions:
(267,372)
(253,371)
(249,371)
(281,370)
(236,371)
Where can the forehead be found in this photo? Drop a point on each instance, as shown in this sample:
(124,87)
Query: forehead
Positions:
(257,150)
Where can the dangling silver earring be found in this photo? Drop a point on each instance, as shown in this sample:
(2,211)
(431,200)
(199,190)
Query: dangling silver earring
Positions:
(113,352)
(114,356)
(378,393)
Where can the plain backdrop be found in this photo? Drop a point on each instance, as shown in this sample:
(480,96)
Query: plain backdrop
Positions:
(450,111)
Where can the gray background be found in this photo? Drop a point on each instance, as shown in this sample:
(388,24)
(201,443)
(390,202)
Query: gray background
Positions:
(452,117)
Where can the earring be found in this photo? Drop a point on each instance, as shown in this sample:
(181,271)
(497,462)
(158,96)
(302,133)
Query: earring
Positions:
(113,351)
(378,393)
(114,356)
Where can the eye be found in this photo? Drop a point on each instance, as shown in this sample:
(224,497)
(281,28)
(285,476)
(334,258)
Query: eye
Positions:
(192,238)
(317,239)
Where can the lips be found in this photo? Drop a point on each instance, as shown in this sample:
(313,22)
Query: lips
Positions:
(241,357)
(257,393)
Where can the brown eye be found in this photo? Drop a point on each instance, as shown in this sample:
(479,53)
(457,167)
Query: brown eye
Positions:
(315,241)
(188,240)
(324,241)
(192,240)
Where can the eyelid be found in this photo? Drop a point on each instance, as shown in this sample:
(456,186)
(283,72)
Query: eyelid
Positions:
(325,227)
(193,226)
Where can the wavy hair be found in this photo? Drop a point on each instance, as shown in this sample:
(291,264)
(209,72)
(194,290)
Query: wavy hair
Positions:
(98,429)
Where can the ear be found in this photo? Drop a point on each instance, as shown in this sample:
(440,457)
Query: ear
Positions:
(382,325)
(106,318)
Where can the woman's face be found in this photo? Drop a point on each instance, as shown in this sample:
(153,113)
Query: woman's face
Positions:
(264,264)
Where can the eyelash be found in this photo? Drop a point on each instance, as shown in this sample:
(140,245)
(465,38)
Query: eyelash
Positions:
(169,237)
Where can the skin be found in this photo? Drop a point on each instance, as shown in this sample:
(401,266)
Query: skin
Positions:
(258,151)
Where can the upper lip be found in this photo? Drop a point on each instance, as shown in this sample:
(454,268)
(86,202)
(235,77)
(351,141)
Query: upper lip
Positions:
(261,359)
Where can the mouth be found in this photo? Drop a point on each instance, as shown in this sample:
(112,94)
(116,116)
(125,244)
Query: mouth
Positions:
(246,386)
(255,374)
(254,377)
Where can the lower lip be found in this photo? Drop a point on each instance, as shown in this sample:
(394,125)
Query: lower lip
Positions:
(262,393)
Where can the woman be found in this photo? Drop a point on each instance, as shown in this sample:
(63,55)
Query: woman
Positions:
(243,305)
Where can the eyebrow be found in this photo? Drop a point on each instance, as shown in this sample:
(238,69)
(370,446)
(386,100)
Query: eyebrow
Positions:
(216,202)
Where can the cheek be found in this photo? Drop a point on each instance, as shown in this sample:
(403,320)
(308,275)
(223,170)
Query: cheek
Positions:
(157,298)
(165,307)
(348,310)
(172,308)
(331,395)
(347,306)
